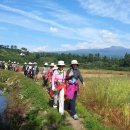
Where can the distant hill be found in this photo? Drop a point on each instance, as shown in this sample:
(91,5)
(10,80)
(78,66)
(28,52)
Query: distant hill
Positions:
(113,51)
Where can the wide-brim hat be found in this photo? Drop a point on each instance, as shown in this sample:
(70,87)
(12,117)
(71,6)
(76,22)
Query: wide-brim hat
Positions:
(52,64)
(30,63)
(25,63)
(35,63)
(61,63)
(55,67)
(46,64)
(74,62)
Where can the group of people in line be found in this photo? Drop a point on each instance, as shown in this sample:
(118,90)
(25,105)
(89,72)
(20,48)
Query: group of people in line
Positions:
(63,85)
(9,65)
(31,70)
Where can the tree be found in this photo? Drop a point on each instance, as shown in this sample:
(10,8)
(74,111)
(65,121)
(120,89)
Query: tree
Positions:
(12,47)
(24,49)
(15,47)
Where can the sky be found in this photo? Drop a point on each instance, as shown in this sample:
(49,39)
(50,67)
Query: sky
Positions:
(57,25)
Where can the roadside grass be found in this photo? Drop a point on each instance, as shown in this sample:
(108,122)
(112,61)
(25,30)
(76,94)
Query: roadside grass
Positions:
(89,119)
(29,107)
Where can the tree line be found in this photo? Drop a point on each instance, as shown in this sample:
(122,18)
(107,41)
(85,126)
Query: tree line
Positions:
(91,61)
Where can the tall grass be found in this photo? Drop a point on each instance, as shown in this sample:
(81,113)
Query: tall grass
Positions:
(109,97)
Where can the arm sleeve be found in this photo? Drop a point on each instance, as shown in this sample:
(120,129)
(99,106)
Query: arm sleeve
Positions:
(67,74)
(80,77)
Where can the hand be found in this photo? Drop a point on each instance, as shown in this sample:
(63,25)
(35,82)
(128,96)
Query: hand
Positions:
(54,88)
(83,84)
(70,75)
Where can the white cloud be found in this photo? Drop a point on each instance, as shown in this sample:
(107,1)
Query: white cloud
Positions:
(53,29)
(30,15)
(96,39)
(82,45)
(22,22)
(116,9)
(38,48)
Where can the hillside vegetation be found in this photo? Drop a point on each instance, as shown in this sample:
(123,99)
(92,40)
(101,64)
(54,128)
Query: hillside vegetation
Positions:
(90,61)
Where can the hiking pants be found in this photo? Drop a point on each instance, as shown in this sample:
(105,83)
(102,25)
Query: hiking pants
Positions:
(59,95)
(61,101)
(72,104)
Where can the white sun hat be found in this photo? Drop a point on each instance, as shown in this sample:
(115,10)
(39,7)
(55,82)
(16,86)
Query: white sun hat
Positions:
(61,63)
(35,63)
(55,67)
(25,63)
(30,63)
(74,62)
(46,64)
(52,64)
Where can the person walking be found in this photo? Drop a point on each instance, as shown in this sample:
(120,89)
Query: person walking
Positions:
(9,65)
(44,74)
(50,72)
(36,71)
(72,88)
(30,70)
(24,69)
(58,86)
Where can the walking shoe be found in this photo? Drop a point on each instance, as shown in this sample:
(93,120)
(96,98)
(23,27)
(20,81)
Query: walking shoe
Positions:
(75,117)
(54,106)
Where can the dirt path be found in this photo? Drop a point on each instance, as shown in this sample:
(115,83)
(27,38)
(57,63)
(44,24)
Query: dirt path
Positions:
(76,124)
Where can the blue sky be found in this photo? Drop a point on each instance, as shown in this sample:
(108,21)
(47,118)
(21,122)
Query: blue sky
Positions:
(53,25)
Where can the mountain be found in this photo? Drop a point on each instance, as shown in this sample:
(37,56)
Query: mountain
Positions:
(113,51)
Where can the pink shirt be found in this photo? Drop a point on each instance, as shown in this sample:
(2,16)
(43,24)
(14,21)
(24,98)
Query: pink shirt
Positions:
(58,77)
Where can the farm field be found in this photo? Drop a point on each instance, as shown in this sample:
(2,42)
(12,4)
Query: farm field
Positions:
(107,95)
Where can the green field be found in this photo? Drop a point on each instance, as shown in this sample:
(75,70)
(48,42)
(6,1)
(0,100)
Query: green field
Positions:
(107,95)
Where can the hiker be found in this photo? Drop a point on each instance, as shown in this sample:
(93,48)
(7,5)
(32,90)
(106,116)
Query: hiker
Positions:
(17,67)
(3,65)
(50,72)
(30,69)
(44,74)
(51,91)
(72,88)
(58,86)
(6,66)
(9,65)
(14,66)
(36,71)
(24,69)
